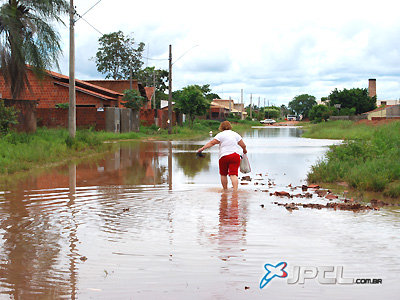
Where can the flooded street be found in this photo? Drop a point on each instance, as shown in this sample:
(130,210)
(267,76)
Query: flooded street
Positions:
(152,222)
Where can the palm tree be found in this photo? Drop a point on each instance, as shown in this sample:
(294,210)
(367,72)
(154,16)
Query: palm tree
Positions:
(27,36)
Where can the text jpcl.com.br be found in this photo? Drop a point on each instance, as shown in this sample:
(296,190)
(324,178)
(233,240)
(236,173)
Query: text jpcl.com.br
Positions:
(324,275)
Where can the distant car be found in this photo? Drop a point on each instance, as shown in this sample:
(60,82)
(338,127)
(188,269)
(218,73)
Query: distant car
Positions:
(268,121)
(291,118)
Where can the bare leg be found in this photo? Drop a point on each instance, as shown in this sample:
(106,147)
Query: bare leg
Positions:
(235,182)
(224,182)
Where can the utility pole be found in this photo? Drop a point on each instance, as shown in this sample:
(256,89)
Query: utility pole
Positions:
(154,90)
(130,73)
(242,106)
(170,92)
(72,92)
(251,104)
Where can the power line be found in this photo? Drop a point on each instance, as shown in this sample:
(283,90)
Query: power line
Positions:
(157,59)
(91,25)
(80,17)
(184,54)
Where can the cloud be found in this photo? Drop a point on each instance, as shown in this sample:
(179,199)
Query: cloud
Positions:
(271,49)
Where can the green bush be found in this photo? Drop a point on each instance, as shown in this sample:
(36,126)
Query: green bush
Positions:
(370,163)
(393,189)
(8,116)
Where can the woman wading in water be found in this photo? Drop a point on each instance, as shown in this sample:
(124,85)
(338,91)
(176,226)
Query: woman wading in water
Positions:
(229,157)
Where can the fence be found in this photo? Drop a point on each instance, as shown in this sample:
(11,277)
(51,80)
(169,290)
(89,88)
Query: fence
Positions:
(86,117)
(110,118)
(351,118)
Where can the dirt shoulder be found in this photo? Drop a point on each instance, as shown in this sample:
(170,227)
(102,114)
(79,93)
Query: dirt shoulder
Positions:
(377,122)
(287,123)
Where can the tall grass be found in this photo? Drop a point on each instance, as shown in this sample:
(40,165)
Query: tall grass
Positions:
(23,151)
(370,163)
(339,130)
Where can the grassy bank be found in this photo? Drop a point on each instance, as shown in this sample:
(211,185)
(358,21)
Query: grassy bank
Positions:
(368,159)
(23,151)
(338,130)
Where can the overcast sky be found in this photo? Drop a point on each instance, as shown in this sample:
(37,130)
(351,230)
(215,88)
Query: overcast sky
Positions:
(273,50)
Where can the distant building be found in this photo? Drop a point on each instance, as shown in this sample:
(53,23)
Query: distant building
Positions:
(372,93)
(235,108)
(384,112)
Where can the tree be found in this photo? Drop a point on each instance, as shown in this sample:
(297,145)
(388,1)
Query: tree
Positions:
(302,104)
(271,112)
(354,98)
(133,99)
(320,112)
(148,75)
(206,90)
(191,101)
(27,36)
(117,56)
(284,111)
(212,96)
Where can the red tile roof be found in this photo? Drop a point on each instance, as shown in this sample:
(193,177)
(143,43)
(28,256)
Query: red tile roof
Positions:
(84,85)
(379,109)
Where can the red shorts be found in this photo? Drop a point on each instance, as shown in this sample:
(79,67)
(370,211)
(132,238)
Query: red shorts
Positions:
(229,164)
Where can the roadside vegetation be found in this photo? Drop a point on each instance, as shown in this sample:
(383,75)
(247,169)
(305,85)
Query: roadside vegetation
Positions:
(338,130)
(26,151)
(367,160)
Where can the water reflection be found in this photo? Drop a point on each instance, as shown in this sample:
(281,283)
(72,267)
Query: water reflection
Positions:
(40,218)
(274,132)
(73,239)
(30,249)
(154,223)
(232,225)
(191,166)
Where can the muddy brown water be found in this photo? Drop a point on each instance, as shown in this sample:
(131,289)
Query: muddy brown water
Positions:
(151,222)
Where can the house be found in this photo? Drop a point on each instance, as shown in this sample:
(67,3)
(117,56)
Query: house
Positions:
(235,108)
(54,89)
(384,112)
(121,85)
(378,113)
(387,102)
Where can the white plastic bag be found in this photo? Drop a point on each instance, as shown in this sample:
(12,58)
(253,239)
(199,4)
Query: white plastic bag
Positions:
(244,164)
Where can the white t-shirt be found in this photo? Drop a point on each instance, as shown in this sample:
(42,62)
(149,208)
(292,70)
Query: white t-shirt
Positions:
(228,142)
